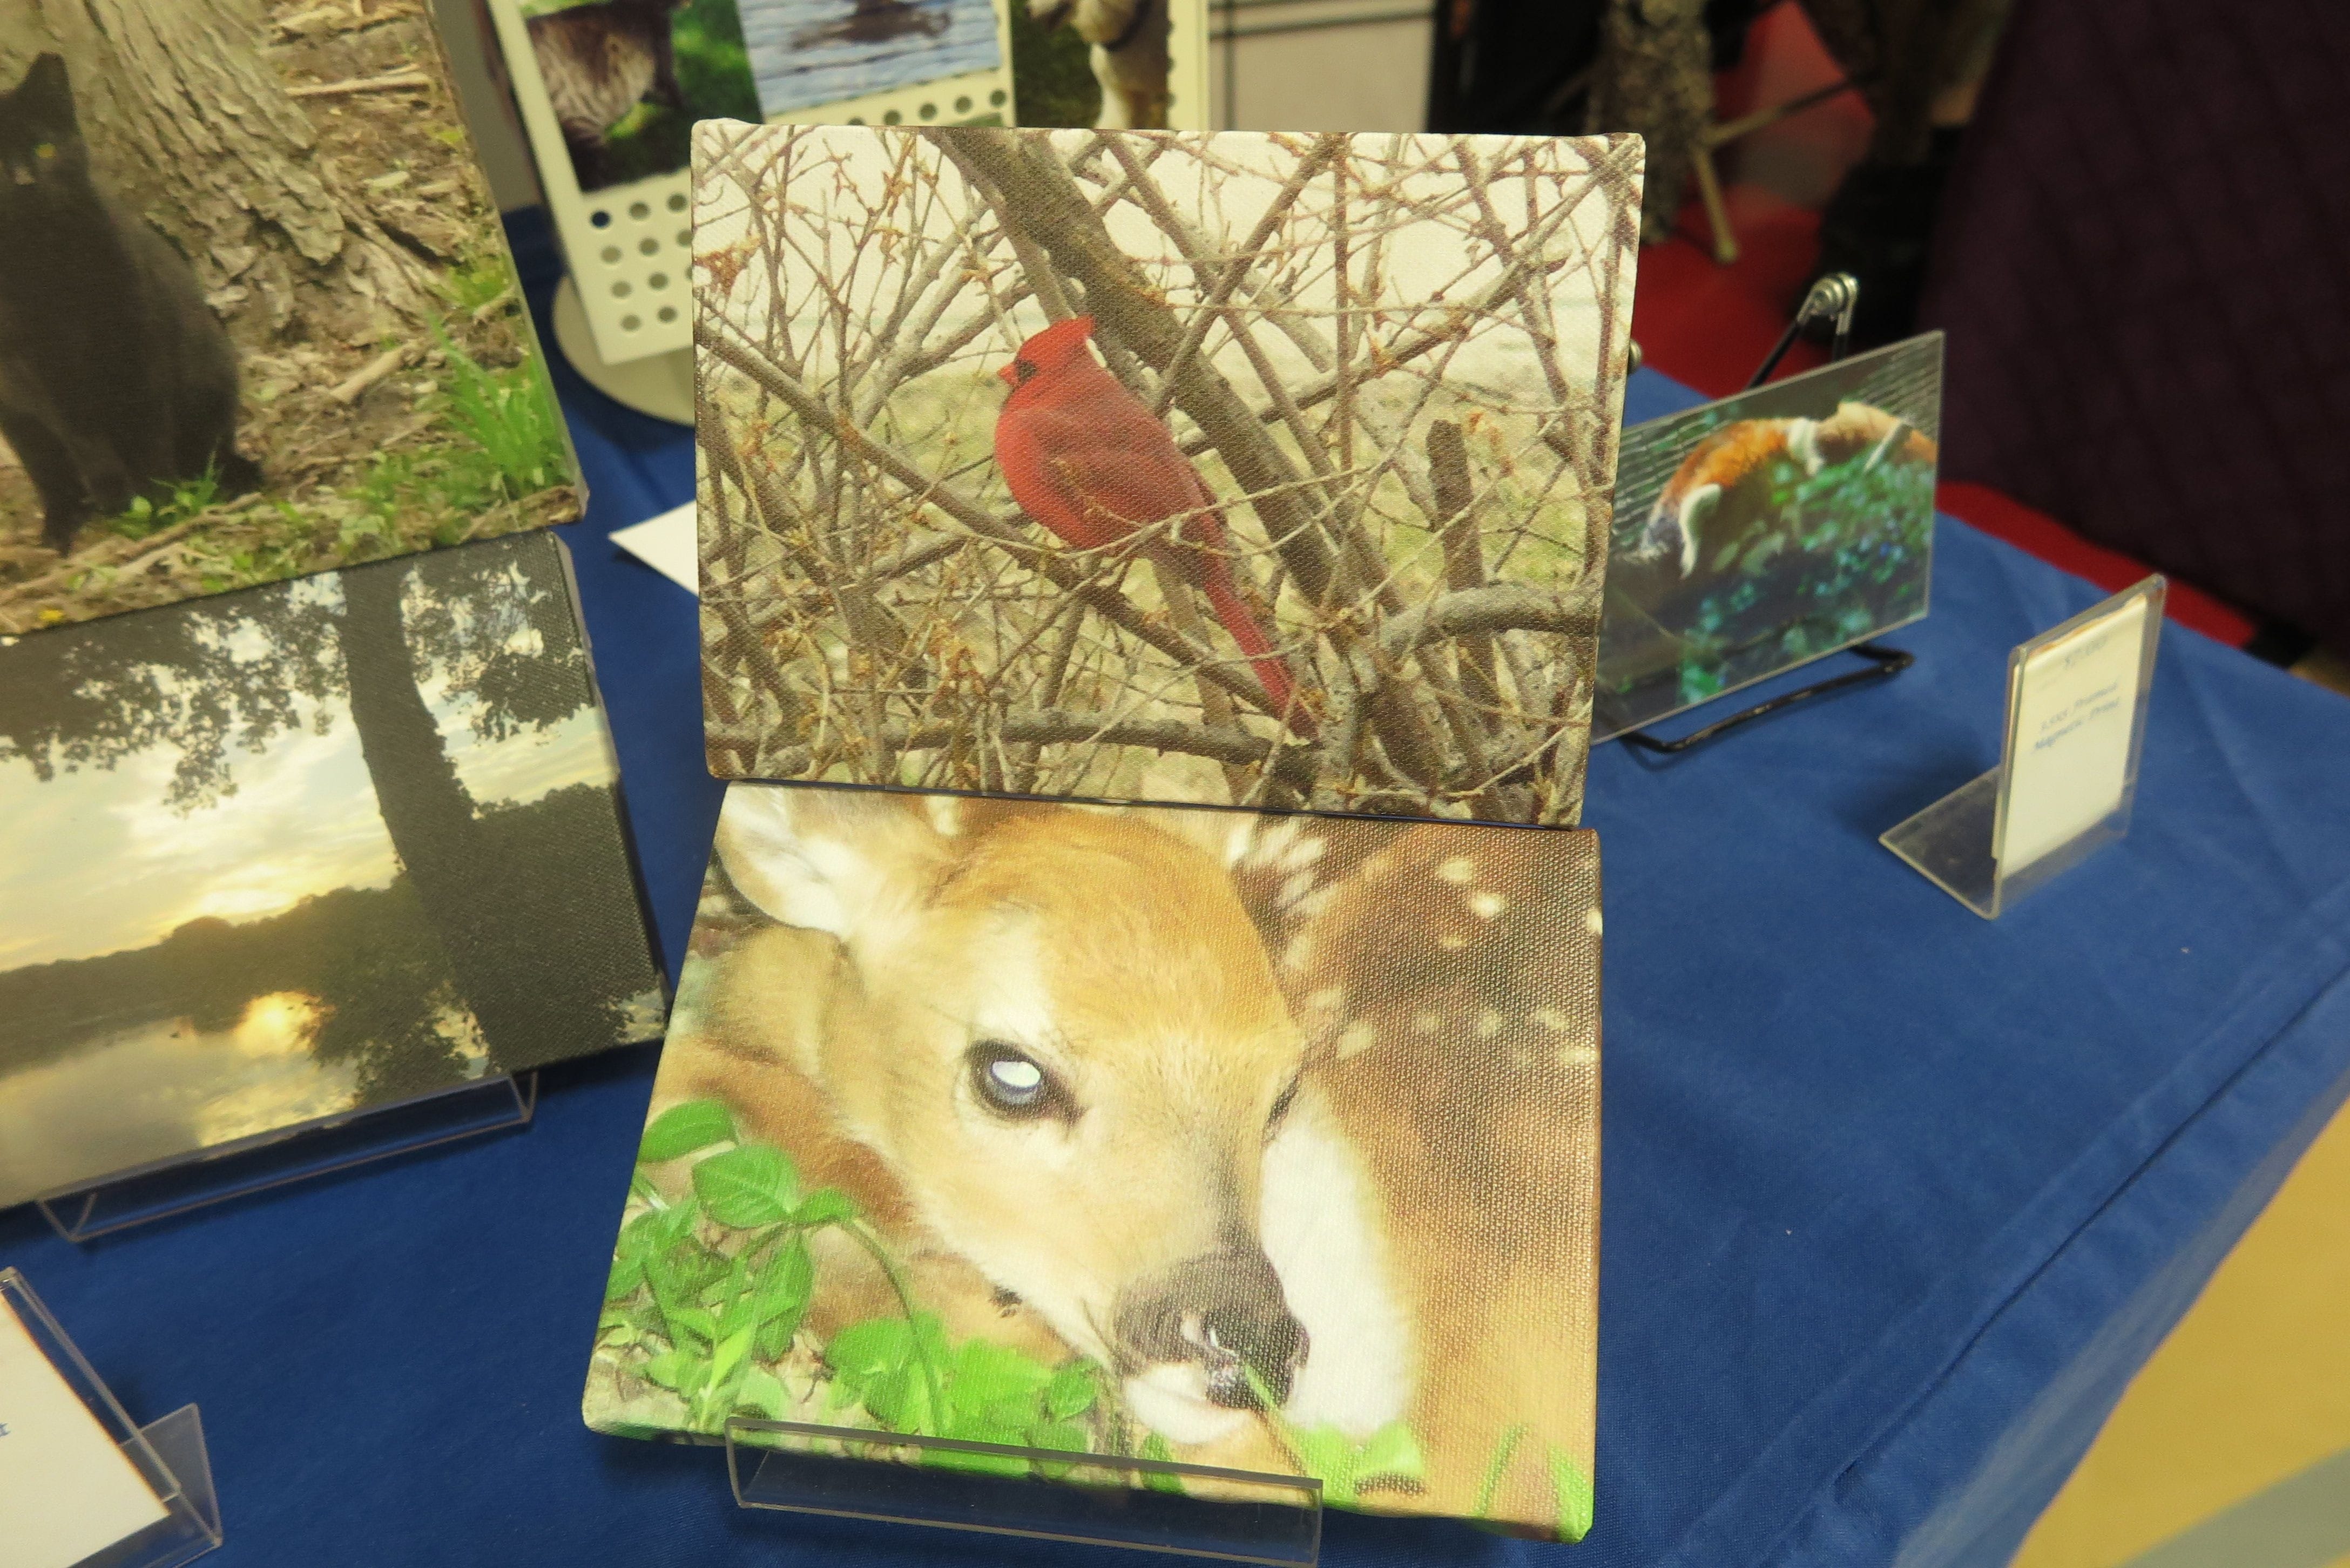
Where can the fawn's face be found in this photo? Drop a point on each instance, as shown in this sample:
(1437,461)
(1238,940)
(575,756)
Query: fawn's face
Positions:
(1061,1031)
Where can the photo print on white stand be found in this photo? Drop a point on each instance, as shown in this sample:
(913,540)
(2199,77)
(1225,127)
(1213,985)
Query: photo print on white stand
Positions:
(609,91)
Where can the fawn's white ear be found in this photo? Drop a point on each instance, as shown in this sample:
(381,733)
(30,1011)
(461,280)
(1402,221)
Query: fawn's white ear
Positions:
(1697,510)
(826,861)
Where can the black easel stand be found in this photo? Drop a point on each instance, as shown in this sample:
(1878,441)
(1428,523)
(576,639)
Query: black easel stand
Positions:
(1834,296)
(1884,664)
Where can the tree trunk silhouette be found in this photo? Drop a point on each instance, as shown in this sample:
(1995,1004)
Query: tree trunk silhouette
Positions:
(455,863)
(195,130)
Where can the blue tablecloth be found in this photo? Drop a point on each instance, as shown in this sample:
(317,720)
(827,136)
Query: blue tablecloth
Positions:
(1895,1199)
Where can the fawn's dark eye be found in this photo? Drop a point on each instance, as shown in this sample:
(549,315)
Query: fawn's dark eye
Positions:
(1014,1084)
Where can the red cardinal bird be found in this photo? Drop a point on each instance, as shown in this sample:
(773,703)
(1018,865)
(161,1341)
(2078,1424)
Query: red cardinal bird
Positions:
(1086,459)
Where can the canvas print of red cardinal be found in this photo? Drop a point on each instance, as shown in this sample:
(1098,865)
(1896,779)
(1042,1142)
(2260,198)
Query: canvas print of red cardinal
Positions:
(1226,469)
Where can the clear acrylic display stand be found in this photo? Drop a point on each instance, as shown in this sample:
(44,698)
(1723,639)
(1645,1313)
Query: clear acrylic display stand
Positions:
(1092,1499)
(168,1454)
(291,1154)
(1986,844)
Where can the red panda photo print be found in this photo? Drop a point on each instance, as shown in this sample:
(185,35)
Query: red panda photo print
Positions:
(1234,469)
(1763,531)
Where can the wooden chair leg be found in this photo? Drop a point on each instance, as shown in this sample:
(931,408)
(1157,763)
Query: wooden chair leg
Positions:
(1717,212)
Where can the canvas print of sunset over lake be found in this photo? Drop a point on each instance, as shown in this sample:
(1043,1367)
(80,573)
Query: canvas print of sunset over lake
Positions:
(302,850)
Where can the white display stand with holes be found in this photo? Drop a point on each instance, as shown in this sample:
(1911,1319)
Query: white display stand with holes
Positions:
(624,316)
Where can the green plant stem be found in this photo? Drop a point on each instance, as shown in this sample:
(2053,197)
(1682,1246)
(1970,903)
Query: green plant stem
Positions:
(905,1304)
(1501,1452)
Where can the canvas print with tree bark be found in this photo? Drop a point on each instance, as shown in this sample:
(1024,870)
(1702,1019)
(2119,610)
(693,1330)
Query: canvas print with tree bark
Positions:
(1261,470)
(302,850)
(257,315)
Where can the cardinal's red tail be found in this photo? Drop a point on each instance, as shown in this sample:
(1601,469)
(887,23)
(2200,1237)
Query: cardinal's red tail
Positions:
(1271,669)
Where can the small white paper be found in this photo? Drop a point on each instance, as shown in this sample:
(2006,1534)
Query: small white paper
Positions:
(668,544)
(2077,704)
(66,1491)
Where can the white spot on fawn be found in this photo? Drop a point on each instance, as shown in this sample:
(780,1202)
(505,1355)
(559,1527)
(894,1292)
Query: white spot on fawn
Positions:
(1486,904)
(1459,871)
(1357,1038)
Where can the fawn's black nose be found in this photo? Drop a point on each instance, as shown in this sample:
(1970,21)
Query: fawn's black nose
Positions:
(1224,1310)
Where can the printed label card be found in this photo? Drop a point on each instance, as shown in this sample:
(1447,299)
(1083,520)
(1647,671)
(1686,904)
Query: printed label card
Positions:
(1230,469)
(67,1490)
(2071,752)
(2077,701)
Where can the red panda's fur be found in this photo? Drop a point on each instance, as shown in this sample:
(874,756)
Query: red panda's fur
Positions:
(1719,499)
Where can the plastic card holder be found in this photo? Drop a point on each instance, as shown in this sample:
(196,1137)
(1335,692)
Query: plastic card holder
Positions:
(291,1154)
(127,1496)
(1043,1494)
(2077,700)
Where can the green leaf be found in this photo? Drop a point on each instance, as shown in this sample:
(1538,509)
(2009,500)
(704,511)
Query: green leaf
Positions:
(669,1368)
(1328,1453)
(1574,1490)
(987,1377)
(747,1186)
(695,1326)
(675,1223)
(774,1338)
(868,1349)
(682,1130)
(1066,1436)
(930,1338)
(891,1396)
(785,1283)
(761,1395)
(1071,1392)
(826,1206)
(1154,1447)
(729,1355)
(627,1273)
(1391,1452)
(974,1464)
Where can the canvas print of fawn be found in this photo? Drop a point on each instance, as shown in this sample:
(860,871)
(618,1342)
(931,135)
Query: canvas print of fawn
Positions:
(258,315)
(291,853)
(1254,470)
(1766,530)
(1262,1141)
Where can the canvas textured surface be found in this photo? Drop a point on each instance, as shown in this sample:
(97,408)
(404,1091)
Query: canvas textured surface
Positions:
(1268,1142)
(1228,469)
(1762,531)
(257,315)
(302,850)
